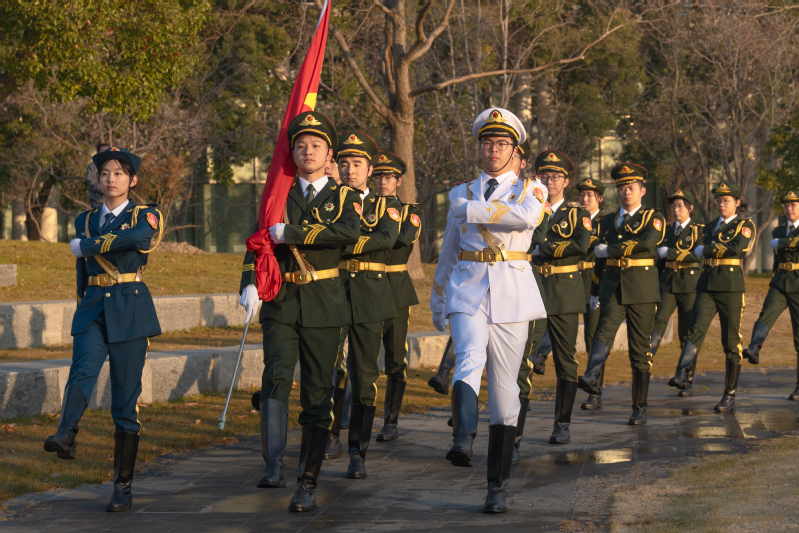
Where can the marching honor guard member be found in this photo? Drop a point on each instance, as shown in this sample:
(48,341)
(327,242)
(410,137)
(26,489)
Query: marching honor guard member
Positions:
(304,319)
(115,314)
(720,289)
(387,177)
(363,271)
(628,287)
(783,289)
(567,237)
(484,287)
(679,272)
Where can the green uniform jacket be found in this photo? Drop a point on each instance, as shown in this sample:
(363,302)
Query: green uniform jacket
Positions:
(638,238)
(410,228)
(589,257)
(731,241)
(538,239)
(320,232)
(787,252)
(567,238)
(682,281)
(370,295)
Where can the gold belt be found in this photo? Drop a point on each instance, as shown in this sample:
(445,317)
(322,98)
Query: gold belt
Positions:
(353,265)
(585,265)
(487,256)
(788,266)
(548,270)
(627,263)
(301,279)
(106,280)
(396,268)
(722,262)
(676,265)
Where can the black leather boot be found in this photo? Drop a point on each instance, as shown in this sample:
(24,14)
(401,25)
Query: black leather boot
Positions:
(334,440)
(540,358)
(654,342)
(360,434)
(255,400)
(687,359)
(640,393)
(523,407)
(395,390)
(499,460)
(464,424)
(63,442)
(727,403)
(594,401)
(795,394)
(590,381)
(126,446)
(565,392)
(312,452)
(759,334)
(440,382)
(347,412)
(274,424)
(687,393)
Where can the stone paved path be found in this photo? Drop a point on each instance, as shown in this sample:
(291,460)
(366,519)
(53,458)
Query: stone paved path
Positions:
(412,488)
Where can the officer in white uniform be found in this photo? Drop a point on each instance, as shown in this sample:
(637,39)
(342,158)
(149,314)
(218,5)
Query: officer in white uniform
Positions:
(484,287)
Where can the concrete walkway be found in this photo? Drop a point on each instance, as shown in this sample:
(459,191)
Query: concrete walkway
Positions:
(412,488)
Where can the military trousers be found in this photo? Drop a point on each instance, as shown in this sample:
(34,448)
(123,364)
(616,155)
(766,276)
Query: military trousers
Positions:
(395,342)
(730,308)
(535,333)
(364,349)
(316,349)
(684,304)
(340,379)
(590,322)
(563,333)
(125,362)
(640,319)
(775,303)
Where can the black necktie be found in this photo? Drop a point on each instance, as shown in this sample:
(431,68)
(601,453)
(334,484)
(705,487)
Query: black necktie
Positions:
(310,192)
(492,184)
(109,217)
(624,219)
(677,229)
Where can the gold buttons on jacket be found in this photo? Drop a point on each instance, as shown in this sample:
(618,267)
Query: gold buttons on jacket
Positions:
(108,295)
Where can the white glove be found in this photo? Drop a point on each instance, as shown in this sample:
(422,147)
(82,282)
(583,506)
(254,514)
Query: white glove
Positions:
(699,251)
(601,251)
(250,301)
(663,251)
(458,207)
(440,321)
(774,243)
(535,251)
(278,233)
(594,302)
(74,247)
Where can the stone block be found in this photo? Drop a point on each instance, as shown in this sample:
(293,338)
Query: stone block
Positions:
(223,310)
(250,370)
(8,275)
(178,312)
(28,389)
(426,348)
(180,373)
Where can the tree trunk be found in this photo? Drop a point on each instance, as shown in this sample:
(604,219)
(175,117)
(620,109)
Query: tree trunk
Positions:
(19,231)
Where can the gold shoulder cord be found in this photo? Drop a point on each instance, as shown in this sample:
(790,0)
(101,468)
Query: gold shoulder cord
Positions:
(737,231)
(109,268)
(572,222)
(694,234)
(134,219)
(647,214)
(381,203)
(342,193)
(754,235)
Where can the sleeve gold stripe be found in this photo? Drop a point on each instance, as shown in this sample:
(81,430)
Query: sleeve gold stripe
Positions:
(79,299)
(359,247)
(500,212)
(794,242)
(682,256)
(438,288)
(561,247)
(107,240)
(594,278)
(248,266)
(311,236)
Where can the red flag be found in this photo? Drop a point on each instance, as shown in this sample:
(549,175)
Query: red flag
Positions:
(282,170)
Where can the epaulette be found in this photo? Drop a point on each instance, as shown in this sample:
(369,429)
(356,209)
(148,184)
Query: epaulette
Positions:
(464,181)
(152,204)
(412,204)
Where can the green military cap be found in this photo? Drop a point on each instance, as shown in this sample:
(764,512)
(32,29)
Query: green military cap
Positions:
(680,194)
(312,123)
(524,149)
(728,189)
(627,173)
(357,144)
(589,184)
(554,161)
(789,196)
(388,163)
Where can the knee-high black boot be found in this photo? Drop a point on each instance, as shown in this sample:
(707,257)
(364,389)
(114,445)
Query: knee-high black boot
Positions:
(334,440)
(63,442)
(524,404)
(727,403)
(360,434)
(346,414)
(440,382)
(540,358)
(687,359)
(795,394)
(640,393)
(500,457)
(688,392)
(759,334)
(594,401)
(395,391)
(312,452)
(274,424)
(565,391)
(654,342)
(464,424)
(590,381)
(126,446)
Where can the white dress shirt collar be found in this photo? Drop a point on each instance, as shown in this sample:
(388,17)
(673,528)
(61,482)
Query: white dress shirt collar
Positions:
(555,206)
(317,184)
(117,210)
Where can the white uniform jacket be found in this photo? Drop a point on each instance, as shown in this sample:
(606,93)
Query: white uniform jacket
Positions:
(511,214)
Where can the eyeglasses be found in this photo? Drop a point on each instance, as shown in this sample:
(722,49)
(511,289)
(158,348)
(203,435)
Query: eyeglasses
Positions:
(500,145)
(556,177)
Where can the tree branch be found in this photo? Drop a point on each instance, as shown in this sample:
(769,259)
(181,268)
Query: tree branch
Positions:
(423,43)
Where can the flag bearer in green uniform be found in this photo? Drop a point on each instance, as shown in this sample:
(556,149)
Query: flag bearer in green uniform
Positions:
(387,177)
(720,289)
(592,197)
(304,319)
(679,272)
(363,271)
(783,290)
(628,285)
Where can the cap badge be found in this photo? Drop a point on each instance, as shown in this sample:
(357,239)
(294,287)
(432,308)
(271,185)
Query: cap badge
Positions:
(384,159)
(678,192)
(310,121)
(352,139)
(495,116)
(589,182)
(626,170)
(115,149)
(552,157)
(723,187)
